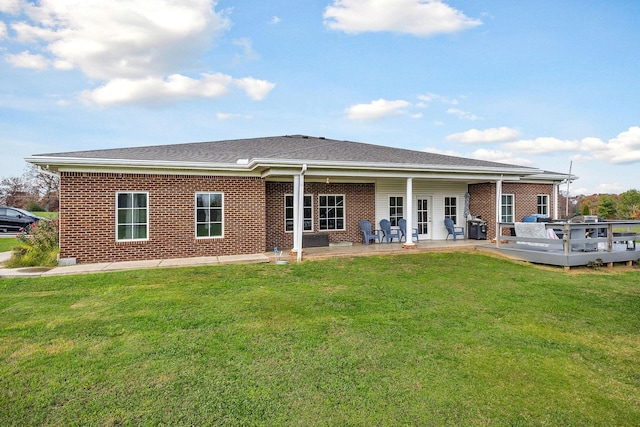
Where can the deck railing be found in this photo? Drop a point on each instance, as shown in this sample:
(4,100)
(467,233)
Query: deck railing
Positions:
(580,236)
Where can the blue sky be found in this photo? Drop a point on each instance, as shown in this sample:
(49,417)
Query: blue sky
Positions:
(536,83)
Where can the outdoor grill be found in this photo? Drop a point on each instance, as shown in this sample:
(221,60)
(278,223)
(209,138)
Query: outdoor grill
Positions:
(477,229)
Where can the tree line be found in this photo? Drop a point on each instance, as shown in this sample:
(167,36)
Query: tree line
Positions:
(610,206)
(35,190)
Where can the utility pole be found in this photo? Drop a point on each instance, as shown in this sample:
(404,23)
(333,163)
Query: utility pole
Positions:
(568,182)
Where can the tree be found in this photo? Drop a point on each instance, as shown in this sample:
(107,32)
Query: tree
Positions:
(34,187)
(607,207)
(14,191)
(47,186)
(629,204)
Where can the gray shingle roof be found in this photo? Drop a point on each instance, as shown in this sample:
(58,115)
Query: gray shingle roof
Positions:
(288,147)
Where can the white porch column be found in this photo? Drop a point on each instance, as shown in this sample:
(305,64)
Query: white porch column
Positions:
(297,238)
(556,189)
(409,214)
(498,208)
(299,214)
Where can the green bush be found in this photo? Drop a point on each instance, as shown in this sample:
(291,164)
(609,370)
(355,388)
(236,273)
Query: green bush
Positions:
(38,246)
(34,207)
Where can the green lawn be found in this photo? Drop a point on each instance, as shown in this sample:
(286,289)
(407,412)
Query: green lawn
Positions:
(7,243)
(416,339)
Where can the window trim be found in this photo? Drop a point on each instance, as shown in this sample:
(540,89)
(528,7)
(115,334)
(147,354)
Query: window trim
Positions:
(545,204)
(393,219)
(344,215)
(118,209)
(512,204)
(195,215)
(453,217)
(310,196)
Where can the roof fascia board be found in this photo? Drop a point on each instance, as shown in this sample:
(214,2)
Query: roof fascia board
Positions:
(271,167)
(275,163)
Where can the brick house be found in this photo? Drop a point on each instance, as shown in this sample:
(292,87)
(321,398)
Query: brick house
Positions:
(250,195)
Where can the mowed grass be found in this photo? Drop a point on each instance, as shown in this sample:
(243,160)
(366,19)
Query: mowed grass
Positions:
(7,243)
(416,339)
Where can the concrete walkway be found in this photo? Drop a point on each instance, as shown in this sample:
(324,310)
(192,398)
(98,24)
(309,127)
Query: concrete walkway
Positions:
(309,254)
(126,265)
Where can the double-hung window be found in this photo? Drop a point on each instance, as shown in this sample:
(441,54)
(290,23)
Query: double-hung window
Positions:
(132,216)
(543,204)
(451,208)
(506,214)
(331,212)
(209,215)
(307,213)
(396,209)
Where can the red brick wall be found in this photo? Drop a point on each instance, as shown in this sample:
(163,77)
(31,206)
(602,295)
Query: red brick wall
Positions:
(359,203)
(483,196)
(87,216)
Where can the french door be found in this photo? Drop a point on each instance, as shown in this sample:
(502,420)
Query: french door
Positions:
(424,217)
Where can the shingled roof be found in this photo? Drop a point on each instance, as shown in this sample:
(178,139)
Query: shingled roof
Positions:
(286,148)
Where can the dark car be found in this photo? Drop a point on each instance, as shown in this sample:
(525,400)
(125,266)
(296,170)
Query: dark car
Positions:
(14,219)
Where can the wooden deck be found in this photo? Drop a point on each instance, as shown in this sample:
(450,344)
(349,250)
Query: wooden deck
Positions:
(578,244)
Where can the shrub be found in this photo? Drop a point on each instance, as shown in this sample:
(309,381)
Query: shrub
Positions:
(38,245)
(34,207)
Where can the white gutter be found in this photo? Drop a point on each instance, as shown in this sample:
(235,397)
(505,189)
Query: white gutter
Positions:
(250,165)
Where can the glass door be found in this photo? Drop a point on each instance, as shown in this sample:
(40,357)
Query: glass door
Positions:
(424,218)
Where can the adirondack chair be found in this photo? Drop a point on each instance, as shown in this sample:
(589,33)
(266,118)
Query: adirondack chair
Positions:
(452,229)
(388,233)
(367,233)
(402,223)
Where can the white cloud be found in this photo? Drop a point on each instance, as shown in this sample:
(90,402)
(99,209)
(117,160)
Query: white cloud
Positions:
(156,90)
(625,148)
(27,60)
(275,20)
(153,90)
(462,114)
(500,157)
(248,54)
(417,17)
(430,97)
(230,116)
(11,7)
(542,145)
(256,89)
(132,46)
(377,109)
(3,30)
(474,136)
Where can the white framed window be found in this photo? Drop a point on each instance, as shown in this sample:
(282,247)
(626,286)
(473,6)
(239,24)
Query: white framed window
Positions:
(451,208)
(209,215)
(331,212)
(543,204)
(507,208)
(307,213)
(396,209)
(132,216)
